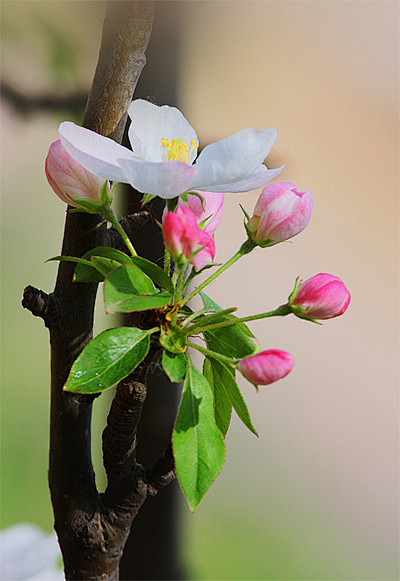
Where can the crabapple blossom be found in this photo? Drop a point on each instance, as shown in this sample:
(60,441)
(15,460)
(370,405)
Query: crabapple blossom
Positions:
(163,162)
(281,212)
(322,296)
(73,183)
(266,367)
(185,240)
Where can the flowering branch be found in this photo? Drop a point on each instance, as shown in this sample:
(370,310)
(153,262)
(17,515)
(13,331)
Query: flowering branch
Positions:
(80,167)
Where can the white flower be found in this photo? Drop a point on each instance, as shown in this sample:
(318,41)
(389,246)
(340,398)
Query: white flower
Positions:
(29,553)
(164,148)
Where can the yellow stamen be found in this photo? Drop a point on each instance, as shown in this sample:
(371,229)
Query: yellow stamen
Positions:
(177,150)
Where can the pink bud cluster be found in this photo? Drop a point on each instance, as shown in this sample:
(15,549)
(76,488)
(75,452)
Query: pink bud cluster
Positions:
(74,184)
(185,240)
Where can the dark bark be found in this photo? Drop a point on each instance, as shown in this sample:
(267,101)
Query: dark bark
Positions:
(92,528)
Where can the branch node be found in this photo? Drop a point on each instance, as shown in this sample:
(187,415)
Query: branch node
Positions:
(119,437)
(41,305)
(161,473)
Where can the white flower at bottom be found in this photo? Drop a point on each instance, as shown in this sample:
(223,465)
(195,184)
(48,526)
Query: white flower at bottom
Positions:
(29,553)
(164,148)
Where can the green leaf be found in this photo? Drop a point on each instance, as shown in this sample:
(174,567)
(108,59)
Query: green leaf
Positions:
(107,359)
(105,265)
(68,259)
(198,444)
(244,212)
(147,198)
(226,387)
(236,341)
(128,289)
(222,403)
(173,338)
(174,365)
(90,273)
(156,273)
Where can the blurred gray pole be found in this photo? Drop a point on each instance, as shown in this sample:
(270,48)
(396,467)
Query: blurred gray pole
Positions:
(152,550)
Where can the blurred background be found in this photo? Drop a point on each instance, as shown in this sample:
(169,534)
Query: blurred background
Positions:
(316,496)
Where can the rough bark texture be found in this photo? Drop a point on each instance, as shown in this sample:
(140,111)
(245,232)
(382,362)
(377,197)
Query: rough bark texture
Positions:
(92,528)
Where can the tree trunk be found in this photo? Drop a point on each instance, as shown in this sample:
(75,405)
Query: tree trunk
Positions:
(93,528)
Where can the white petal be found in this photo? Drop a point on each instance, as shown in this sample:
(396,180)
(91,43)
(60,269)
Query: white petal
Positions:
(27,552)
(165,179)
(96,153)
(151,123)
(257,179)
(233,158)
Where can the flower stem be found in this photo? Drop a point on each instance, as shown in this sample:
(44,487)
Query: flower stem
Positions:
(172,203)
(189,279)
(244,249)
(167,262)
(108,214)
(179,284)
(211,354)
(279,312)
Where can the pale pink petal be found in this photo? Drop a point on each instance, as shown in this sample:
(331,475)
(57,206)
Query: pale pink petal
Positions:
(96,153)
(69,179)
(208,209)
(281,212)
(206,255)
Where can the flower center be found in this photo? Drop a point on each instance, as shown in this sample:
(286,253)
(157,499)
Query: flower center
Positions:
(178,150)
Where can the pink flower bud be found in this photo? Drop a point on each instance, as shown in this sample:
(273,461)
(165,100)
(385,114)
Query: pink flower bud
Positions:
(322,296)
(266,367)
(72,182)
(281,212)
(183,238)
(208,213)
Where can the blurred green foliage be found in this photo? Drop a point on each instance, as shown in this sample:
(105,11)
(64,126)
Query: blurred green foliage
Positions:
(62,52)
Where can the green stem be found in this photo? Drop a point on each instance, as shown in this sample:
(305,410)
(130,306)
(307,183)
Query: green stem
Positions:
(108,214)
(167,262)
(178,291)
(279,312)
(187,320)
(212,354)
(189,279)
(208,319)
(172,203)
(244,249)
